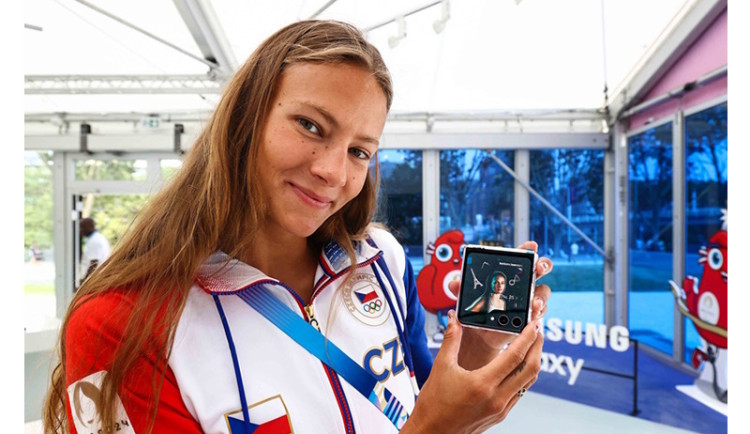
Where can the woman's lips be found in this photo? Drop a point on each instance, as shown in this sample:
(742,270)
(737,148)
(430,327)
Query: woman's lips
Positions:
(311,198)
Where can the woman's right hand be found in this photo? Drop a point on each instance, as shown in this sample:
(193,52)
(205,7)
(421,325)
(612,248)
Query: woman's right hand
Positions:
(454,400)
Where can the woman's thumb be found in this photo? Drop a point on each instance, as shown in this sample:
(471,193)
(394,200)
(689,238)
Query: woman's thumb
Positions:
(451,340)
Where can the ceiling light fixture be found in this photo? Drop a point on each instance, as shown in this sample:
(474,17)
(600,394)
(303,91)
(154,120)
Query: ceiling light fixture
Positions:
(393,41)
(439,25)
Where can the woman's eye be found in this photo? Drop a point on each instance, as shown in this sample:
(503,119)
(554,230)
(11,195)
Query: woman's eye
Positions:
(309,126)
(359,153)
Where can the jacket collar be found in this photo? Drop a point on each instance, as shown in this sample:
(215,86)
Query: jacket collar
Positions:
(222,274)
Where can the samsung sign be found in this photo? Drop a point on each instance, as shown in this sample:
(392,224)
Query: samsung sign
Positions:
(578,333)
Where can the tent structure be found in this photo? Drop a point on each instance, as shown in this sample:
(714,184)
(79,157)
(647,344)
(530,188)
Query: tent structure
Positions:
(489,56)
(136,80)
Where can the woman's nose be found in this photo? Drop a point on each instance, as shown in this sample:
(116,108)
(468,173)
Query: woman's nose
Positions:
(329,164)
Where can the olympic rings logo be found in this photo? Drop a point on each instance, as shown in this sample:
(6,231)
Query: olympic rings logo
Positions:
(373,306)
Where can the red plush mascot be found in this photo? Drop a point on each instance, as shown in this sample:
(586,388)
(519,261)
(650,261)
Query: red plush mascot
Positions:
(445,266)
(704,301)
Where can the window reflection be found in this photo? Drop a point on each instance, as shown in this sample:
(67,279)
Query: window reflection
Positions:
(706,198)
(572,181)
(651,302)
(476,196)
(400,200)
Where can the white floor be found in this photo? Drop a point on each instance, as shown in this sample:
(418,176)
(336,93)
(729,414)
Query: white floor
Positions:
(537,413)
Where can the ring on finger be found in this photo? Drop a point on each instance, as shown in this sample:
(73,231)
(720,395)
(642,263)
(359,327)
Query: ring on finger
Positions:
(521,392)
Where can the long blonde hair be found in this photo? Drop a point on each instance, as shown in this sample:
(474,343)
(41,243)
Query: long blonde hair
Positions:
(205,208)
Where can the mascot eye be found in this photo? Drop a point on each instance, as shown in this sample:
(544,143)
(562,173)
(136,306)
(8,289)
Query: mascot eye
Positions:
(715,259)
(443,252)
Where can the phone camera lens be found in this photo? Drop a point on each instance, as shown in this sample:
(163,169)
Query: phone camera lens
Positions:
(517,322)
(503,320)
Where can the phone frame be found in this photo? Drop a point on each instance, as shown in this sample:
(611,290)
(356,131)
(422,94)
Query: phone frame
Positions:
(504,251)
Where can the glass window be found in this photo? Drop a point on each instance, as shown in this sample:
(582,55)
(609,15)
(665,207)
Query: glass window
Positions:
(169,168)
(476,196)
(572,182)
(400,200)
(111,170)
(113,213)
(651,303)
(39,261)
(706,197)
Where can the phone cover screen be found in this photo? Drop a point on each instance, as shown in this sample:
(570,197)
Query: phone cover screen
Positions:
(496,287)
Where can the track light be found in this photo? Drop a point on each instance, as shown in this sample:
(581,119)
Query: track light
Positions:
(394,40)
(439,25)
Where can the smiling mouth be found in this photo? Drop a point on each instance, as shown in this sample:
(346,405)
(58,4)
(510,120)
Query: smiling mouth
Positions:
(311,198)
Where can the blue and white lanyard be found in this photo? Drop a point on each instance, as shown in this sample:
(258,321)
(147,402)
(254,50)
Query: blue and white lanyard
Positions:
(265,303)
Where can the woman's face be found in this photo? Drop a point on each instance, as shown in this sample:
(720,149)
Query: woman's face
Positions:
(322,130)
(499,285)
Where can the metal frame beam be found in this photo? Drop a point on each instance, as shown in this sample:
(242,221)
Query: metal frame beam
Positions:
(61,235)
(610,221)
(494,140)
(687,30)
(679,227)
(621,228)
(210,63)
(524,184)
(120,84)
(509,119)
(124,142)
(206,29)
(430,214)
(521,166)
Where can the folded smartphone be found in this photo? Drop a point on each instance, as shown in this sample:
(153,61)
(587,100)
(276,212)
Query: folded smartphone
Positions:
(497,288)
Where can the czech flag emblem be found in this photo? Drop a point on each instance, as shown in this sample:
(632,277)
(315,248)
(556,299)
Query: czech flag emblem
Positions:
(367,297)
(266,417)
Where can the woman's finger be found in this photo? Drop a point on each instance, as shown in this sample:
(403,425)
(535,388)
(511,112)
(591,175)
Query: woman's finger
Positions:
(529,245)
(542,294)
(448,353)
(513,387)
(543,267)
(453,286)
(525,374)
(502,365)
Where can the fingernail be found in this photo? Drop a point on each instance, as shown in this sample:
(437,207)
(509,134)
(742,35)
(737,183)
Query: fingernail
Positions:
(540,301)
(537,325)
(545,265)
(451,315)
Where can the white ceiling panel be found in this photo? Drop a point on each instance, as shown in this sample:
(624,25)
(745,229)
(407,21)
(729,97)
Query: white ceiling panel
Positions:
(492,54)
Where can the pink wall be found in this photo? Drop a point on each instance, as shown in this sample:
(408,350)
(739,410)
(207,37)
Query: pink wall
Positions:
(708,53)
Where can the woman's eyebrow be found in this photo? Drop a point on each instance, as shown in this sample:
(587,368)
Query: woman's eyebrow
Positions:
(332,120)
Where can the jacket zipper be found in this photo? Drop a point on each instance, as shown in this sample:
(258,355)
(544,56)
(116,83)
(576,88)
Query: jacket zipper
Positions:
(311,316)
(308,313)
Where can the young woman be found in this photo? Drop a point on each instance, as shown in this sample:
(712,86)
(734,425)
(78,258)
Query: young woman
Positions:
(495,296)
(185,328)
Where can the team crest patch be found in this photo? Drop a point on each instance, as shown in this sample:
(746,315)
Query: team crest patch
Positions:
(269,416)
(364,299)
(85,403)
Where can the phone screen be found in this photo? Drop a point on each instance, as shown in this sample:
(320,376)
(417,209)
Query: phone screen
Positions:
(496,288)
